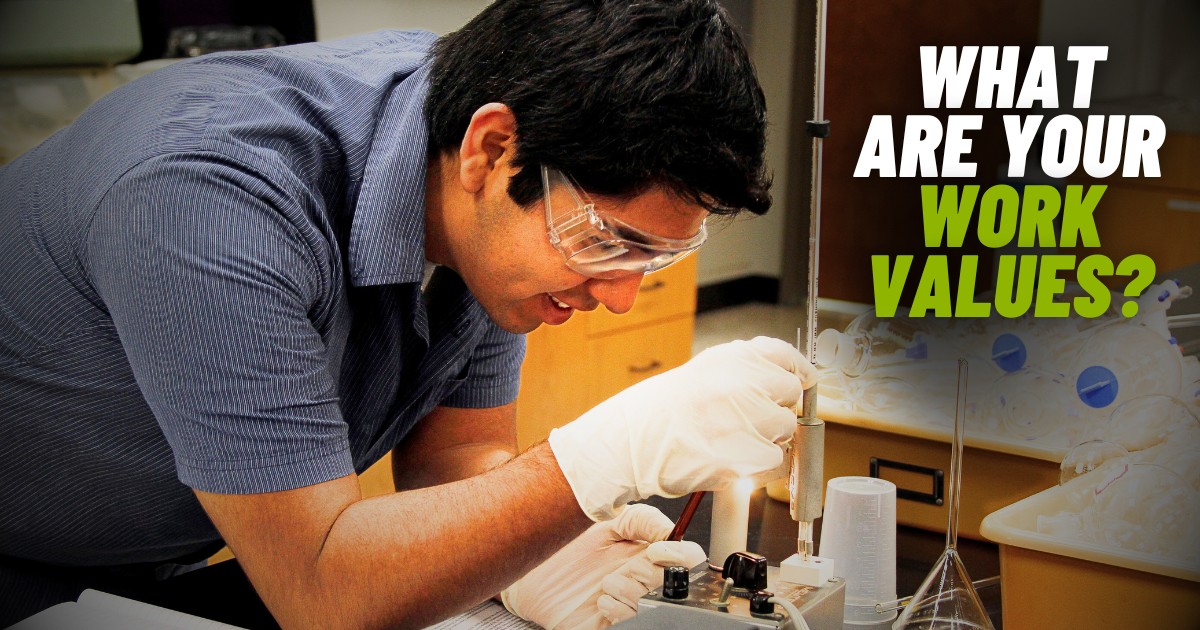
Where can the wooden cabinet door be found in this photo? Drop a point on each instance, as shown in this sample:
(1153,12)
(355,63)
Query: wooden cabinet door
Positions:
(570,368)
(621,360)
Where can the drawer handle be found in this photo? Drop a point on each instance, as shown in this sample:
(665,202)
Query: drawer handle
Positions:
(936,478)
(1183,204)
(653,286)
(653,365)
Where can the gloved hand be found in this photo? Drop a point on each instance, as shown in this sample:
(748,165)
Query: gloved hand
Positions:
(701,426)
(642,574)
(596,579)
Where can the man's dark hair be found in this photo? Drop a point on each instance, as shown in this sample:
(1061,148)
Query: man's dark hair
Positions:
(620,95)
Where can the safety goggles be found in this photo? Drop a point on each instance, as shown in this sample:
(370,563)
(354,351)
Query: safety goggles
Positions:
(601,246)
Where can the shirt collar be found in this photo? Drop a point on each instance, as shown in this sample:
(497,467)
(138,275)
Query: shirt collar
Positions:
(387,235)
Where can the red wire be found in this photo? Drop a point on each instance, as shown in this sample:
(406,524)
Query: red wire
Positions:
(685,518)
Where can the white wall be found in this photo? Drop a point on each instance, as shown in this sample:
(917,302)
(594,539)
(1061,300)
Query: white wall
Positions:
(338,18)
(754,246)
(1153,61)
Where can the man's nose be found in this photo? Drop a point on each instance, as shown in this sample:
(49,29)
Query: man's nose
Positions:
(616,294)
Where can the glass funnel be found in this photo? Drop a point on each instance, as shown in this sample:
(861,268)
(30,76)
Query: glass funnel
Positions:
(946,599)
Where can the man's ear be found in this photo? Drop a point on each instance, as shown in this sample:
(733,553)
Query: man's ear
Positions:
(487,146)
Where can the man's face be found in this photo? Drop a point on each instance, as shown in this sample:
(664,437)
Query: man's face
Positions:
(522,281)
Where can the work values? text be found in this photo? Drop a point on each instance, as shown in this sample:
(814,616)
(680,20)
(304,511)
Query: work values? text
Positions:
(1035,215)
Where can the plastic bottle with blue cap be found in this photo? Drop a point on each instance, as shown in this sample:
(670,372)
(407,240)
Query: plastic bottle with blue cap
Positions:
(870,342)
(1124,360)
(1044,343)
(895,369)
(1154,302)
(1038,406)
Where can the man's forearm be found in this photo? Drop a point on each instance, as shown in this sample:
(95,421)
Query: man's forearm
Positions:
(395,560)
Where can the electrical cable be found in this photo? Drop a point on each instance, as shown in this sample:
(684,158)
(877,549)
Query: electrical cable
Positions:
(685,518)
(797,619)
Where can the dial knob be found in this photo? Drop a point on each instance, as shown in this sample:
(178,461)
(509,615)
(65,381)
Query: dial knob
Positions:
(675,582)
(748,570)
(760,604)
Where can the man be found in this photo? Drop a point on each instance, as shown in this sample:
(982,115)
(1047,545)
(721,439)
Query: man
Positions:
(213,314)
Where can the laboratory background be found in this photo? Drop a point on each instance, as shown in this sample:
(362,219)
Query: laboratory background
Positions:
(1075,501)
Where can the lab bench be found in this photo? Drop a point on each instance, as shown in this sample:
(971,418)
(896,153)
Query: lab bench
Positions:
(771,532)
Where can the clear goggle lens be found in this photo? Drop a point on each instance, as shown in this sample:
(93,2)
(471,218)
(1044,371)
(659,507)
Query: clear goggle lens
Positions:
(614,259)
(601,246)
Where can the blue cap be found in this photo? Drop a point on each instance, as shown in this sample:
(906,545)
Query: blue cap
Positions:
(1097,386)
(919,348)
(1009,353)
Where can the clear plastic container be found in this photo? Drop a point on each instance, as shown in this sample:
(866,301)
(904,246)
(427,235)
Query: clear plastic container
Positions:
(1089,456)
(1143,422)
(1144,508)
(1052,578)
(1041,406)
(1122,361)
(859,533)
(871,342)
(1043,343)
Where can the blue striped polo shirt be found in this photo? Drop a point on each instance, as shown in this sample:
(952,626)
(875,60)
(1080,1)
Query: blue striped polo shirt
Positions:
(212,280)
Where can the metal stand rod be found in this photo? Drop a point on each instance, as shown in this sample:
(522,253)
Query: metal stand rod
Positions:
(800,479)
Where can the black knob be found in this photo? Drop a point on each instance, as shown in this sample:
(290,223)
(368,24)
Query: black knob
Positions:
(748,570)
(675,582)
(759,604)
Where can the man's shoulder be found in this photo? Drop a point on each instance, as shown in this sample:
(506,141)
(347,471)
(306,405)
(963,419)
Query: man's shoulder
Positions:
(366,62)
(386,43)
(306,110)
(371,59)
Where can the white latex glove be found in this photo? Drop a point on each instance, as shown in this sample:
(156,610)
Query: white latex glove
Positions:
(596,579)
(701,426)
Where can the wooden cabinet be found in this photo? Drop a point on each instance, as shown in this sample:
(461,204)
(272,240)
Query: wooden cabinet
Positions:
(377,479)
(873,68)
(570,368)
(919,466)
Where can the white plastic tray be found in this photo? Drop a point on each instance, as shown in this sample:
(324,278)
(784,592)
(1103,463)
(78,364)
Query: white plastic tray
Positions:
(1016,525)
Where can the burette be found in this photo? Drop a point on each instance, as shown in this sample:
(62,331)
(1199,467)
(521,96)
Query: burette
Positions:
(806,476)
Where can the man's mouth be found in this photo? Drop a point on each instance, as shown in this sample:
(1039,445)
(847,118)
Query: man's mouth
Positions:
(559,303)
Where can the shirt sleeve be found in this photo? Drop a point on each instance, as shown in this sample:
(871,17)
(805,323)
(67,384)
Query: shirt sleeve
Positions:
(494,377)
(212,284)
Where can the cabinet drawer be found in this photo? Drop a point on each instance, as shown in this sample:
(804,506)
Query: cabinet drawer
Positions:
(991,480)
(377,479)
(622,359)
(570,368)
(1180,163)
(565,375)
(663,294)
